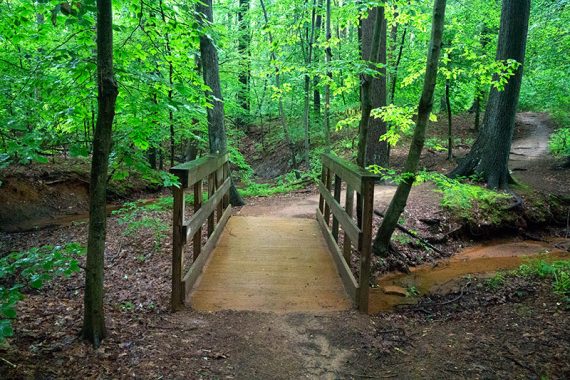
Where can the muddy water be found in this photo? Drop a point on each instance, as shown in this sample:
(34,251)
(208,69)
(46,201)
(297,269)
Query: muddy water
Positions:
(479,260)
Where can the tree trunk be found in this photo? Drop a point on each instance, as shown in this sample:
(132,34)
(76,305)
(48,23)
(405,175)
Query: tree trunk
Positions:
(170,85)
(94,329)
(489,155)
(328,57)
(376,150)
(396,66)
(244,75)
(282,117)
(210,71)
(398,203)
(373,90)
(306,112)
(316,92)
(449,130)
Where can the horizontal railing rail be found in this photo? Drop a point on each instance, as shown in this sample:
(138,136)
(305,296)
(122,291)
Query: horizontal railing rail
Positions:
(355,222)
(214,212)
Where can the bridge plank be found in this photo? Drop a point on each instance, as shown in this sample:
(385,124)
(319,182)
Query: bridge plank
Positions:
(270,264)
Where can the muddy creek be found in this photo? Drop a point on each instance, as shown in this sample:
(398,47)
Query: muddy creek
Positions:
(442,277)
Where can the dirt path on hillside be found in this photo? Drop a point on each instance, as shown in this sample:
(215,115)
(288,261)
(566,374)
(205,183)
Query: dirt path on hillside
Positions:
(530,160)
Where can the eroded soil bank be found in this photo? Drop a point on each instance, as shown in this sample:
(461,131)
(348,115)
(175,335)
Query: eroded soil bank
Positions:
(445,276)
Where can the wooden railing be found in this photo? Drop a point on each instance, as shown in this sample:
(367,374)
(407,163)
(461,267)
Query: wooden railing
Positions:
(214,213)
(354,220)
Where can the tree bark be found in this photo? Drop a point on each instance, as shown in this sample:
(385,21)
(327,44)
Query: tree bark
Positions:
(378,26)
(94,329)
(382,240)
(396,66)
(376,150)
(307,86)
(210,71)
(244,75)
(449,125)
(489,155)
(328,58)
(316,92)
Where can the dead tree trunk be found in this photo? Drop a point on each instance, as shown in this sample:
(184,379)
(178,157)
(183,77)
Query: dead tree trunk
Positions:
(489,155)
(382,240)
(94,329)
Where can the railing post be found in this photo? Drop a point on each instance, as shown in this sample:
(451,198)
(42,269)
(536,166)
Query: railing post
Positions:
(178,296)
(323,180)
(197,239)
(336,194)
(226,200)
(349,208)
(328,186)
(366,242)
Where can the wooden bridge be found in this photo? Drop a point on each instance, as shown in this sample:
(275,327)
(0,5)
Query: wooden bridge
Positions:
(269,263)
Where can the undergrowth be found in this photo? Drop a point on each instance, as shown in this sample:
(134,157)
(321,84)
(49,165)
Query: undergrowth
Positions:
(460,196)
(32,269)
(558,272)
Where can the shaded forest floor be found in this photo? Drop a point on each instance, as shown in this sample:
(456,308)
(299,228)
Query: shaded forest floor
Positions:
(518,330)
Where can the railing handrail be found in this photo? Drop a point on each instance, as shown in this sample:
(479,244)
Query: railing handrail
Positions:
(214,168)
(357,234)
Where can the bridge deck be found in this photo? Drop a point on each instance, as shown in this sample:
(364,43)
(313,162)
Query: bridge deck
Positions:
(270,264)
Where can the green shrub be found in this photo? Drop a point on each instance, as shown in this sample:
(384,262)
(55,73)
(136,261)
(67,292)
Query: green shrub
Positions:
(32,269)
(559,143)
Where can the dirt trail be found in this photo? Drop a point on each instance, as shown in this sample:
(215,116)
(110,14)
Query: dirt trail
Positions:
(304,205)
(535,143)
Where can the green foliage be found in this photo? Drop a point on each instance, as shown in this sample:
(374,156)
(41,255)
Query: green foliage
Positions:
(558,271)
(436,144)
(497,280)
(399,121)
(559,143)
(32,269)
(462,198)
(139,219)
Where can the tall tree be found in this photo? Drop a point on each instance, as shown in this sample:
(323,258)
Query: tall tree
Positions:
(211,73)
(376,150)
(382,239)
(107,90)
(366,106)
(328,58)
(489,155)
(244,40)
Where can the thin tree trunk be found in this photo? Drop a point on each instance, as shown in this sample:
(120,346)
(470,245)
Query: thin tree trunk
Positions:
(170,85)
(328,58)
(307,87)
(316,92)
(94,329)
(449,126)
(397,65)
(244,75)
(282,117)
(210,71)
(382,239)
(489,154)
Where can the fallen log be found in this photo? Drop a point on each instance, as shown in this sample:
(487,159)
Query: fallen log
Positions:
(412,234)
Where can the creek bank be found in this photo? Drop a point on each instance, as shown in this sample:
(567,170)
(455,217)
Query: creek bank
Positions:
(444,276)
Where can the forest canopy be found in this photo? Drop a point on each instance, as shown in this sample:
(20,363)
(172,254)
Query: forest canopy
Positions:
(48,68)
